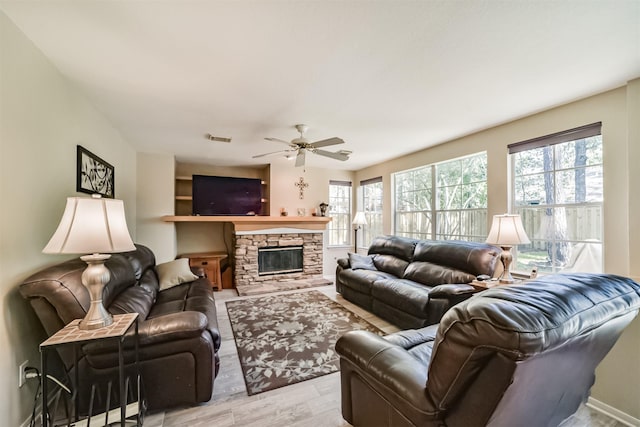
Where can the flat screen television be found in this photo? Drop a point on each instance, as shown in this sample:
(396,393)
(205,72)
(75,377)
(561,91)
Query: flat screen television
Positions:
(225,195)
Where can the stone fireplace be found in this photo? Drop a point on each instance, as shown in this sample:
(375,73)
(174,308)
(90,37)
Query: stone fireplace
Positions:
(250,246)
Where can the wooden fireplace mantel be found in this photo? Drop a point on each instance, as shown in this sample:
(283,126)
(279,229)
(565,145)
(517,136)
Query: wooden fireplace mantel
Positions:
(251,223)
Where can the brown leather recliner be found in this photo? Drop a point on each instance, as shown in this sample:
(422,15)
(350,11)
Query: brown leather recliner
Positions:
(512,355)
(178,330)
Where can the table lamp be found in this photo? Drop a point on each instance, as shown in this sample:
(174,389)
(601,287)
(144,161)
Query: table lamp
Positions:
(358,221)
(507,231)
(96,226)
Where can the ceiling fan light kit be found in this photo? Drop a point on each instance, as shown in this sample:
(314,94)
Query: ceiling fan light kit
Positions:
(301,145)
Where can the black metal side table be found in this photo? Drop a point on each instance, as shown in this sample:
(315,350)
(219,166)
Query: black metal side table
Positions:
(72,335)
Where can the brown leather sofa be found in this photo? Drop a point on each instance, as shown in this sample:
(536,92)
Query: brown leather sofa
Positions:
(412,283)
(509,356)
(178,331)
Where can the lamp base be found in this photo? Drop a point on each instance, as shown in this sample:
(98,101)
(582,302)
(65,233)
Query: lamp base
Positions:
(506,258)
(94,277)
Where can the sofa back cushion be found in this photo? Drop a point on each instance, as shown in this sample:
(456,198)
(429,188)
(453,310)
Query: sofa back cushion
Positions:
(121,277)
(396,246)
(434,274)
(134,299)
(392,254)
(61,286)
(469,257)
(390,264)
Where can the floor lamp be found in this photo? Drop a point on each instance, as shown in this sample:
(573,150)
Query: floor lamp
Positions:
(507,231)
(358,221)
(96,226)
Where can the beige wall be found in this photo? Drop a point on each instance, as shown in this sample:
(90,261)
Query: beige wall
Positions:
(155,182)
(618,378)
(285,194)
(42,119)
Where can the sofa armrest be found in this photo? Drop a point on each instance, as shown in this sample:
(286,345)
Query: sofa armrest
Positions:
(344,263)
(402,376)
(161,329)
(452,290)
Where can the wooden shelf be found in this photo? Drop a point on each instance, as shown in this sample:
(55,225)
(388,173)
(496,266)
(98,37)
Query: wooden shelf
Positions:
(249,223)
(184,198)
(184,178)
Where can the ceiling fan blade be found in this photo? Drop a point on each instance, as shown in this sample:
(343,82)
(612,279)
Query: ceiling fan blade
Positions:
(327,142)
(279,140)
(268,154)
(300,158)
(337,156)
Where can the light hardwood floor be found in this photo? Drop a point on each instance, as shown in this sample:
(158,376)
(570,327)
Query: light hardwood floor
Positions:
(312,403)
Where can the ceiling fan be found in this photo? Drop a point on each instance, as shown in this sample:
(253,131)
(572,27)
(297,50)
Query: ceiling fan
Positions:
(301,145)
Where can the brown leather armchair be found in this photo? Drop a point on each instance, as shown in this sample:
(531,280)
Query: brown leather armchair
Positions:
(512,355)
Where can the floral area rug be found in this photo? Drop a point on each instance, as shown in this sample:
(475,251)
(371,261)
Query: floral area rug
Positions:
(285,339)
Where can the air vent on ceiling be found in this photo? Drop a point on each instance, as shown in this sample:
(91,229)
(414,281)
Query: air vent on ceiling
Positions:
(217,138)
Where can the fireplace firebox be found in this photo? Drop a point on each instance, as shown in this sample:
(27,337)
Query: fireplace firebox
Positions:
(279,260)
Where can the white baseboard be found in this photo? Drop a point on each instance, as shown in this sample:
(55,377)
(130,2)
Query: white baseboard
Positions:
(612,412)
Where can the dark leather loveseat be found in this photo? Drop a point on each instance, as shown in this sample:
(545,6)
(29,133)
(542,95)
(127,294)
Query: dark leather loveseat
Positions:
(412,283)
(178,332)
(518,355)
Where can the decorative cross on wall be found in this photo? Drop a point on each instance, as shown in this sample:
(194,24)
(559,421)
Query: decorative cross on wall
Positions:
(301,186)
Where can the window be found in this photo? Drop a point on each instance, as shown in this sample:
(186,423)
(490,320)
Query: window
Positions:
(339,228)
(459,209)
(372,205)
(413,214)
(558,191)
(461,199)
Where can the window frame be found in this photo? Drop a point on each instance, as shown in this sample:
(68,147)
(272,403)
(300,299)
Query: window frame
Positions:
(374,226)
(336,226)
(589,208)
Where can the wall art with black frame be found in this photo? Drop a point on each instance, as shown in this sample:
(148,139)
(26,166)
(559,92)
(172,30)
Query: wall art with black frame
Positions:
(94,175)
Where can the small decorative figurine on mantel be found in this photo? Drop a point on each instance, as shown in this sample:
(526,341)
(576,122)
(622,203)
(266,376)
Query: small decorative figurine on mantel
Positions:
(323,209)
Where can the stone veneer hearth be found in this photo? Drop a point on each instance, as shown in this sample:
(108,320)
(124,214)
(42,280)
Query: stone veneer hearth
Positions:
(246,255)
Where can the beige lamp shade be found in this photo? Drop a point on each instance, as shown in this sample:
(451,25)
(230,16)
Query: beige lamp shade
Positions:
(91,225)
(507,230)
(359,219)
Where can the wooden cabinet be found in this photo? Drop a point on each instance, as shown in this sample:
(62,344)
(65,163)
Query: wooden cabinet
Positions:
(216,267)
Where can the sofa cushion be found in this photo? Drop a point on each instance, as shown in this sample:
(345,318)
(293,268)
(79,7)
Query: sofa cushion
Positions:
(121,277)
(134,299)
(434,274)
(149,281)
(396,246)
(361,280)
(390,264)
(140,259)
(174,273)
(418,342)
(361,262)
(471,257)
(406,295)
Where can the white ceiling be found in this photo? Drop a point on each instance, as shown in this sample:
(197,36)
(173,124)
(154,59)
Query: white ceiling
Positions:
(389,77)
